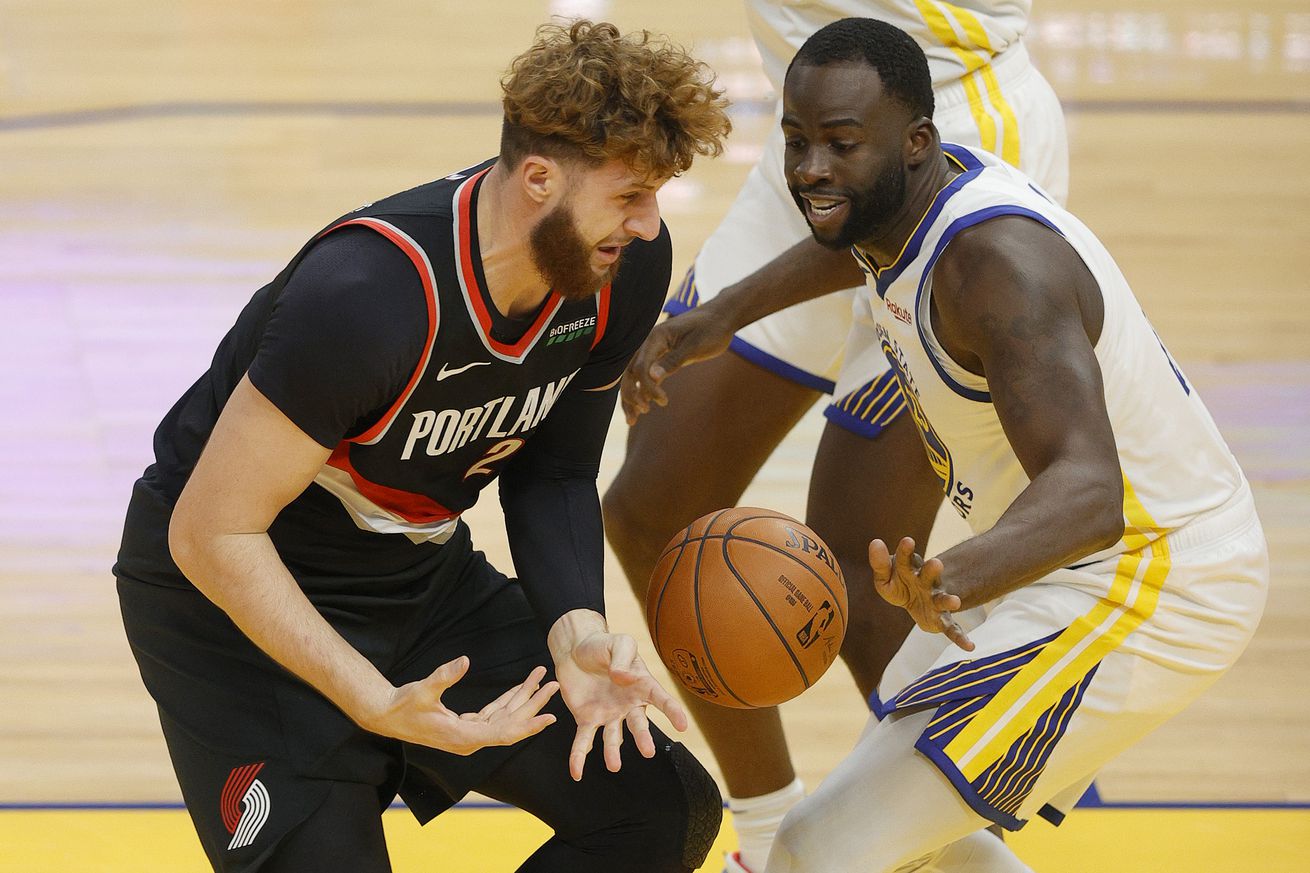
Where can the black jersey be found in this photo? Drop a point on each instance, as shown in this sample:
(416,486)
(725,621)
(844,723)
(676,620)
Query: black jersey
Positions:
(427,413)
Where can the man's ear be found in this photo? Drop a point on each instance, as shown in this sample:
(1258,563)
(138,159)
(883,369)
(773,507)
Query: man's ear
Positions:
(920,142)
(541,177)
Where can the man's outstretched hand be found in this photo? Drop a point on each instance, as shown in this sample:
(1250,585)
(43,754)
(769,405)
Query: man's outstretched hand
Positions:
(414,713)
(695,335)
(910,582)
(606,685)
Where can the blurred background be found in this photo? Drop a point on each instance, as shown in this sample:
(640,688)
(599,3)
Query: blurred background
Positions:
(160,162)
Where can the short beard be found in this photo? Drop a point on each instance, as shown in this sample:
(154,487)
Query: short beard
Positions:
(871,209)
(563,258)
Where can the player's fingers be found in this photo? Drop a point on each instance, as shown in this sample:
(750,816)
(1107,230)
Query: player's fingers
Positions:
(880,560)
(631,409)
(446,675)
(651,391)
(639,727)
(905,557)
(674,351)
(509,725)
(667,704)
(529,710)
(625,666)
(509,730)
(930,571)
(525,689)
(533,704)
(944,602)
(494,706)
(515,695)
(955,633)
(612,736)
(582,741)
(535,725)
(634,404)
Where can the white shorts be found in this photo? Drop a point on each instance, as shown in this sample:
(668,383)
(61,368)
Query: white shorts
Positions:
(1073,669)
(1016,115)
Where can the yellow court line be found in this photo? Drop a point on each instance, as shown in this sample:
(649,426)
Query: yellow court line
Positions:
(497,840)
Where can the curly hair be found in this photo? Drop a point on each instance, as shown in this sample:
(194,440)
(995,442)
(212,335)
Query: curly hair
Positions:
(587,93)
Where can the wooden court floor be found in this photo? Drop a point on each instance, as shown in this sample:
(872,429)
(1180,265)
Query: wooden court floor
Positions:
(159,162)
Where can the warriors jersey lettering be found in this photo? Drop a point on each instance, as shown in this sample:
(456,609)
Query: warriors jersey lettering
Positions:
(421,389)
(1175,464)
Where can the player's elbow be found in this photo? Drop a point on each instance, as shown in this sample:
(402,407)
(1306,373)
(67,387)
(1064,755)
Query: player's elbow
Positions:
(1105,517)
(182,544)
(187,543)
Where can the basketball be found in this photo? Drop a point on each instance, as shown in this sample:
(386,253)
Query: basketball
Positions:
(747,607)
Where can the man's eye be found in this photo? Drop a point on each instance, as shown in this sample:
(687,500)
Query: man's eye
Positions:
(842,145)
(794,142)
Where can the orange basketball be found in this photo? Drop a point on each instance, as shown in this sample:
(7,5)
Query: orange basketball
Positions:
(747,607)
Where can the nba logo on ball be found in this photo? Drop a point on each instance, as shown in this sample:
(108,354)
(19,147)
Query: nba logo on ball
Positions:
(747,607)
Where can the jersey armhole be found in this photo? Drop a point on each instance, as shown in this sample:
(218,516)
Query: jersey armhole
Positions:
(421,263)
(602,313)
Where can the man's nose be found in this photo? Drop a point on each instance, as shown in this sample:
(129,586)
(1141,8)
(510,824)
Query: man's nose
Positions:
(644,219)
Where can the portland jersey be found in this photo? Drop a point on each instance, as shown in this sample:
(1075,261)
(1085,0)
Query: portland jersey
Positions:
(469,401)
(958,38)
(1175,464)
(473,401)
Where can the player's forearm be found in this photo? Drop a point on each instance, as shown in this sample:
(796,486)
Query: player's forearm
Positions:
(558,541)
(1066,513)
(805,271)
(243,575)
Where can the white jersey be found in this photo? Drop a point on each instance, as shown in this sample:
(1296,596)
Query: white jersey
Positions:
(958,38)
(1175,464)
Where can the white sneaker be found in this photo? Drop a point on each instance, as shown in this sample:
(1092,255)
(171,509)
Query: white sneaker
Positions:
(732,864)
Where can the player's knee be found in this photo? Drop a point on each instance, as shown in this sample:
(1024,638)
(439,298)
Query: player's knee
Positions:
(677,835)
(631,529)
(704,807)
(665,820)
(798,846)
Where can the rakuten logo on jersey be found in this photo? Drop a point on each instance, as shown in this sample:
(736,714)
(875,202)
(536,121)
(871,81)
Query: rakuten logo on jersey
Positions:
(900,313)
(438,433)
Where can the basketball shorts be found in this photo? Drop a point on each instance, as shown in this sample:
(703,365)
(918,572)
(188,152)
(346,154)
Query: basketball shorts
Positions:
(1073,669)
(1015,114)
(257,751)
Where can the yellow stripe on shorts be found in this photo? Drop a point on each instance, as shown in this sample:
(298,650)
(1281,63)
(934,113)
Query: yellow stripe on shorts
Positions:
(974,49)
(1064,663)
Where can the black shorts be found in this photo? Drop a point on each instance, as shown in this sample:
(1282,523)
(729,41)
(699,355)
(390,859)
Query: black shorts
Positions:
(257,750)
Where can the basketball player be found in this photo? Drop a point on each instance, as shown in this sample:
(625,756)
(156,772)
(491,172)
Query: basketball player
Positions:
(988,95)
(299,591)
(1117,567)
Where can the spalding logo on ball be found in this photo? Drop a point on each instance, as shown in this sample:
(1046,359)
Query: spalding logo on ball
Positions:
(747,607)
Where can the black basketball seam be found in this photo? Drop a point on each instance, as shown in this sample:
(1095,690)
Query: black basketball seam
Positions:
(782,638)
(659,600)
(700,620)
(686,531)
(664,586)
(727,536)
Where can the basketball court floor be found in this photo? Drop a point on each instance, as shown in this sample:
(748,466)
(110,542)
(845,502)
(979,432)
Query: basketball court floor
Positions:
(159,162)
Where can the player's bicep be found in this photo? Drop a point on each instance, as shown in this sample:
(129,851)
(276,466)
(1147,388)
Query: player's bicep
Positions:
(1046,386)
(1019,315)
(255,463)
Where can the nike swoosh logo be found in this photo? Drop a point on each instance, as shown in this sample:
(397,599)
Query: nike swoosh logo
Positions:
(443,373)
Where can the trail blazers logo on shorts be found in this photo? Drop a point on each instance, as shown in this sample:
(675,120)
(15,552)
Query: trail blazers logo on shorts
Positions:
(244,805)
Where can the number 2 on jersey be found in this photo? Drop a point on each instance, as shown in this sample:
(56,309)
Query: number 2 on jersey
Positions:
(499,452)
